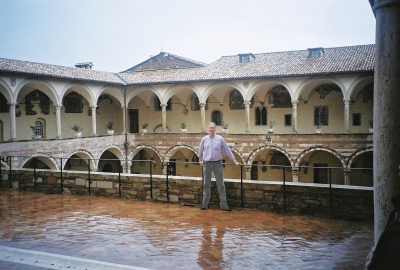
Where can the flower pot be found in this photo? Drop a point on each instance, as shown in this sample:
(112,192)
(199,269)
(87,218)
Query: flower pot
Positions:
(225,130)
(270,130)
(371,130)
(144,130)
(78,134)
(318,130)
(183,130)
(110,131)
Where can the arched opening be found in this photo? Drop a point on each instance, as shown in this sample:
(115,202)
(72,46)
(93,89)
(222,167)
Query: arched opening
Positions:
(321,166)
(362,173)
(271,165)
(109,162)
(77,163)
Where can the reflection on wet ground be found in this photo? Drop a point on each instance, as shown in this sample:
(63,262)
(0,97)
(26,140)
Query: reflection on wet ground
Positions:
(167,236)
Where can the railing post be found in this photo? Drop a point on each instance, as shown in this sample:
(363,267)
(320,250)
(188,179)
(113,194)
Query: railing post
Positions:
(241,185)
(330,191)
(167,181)
(10,174)
(61,178)
(151,179)
(34,173)
(119,178)
(89,174)
(284,189)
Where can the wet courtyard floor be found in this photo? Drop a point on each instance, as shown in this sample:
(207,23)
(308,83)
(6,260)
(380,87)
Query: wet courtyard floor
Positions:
(151,235)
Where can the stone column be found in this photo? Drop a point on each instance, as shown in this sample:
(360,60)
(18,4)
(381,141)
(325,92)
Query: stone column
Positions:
(124,114)
(294,116)
(346,115)
(13,122)
(203,117)
(247,111)
(386,139)
(94,119)
(347,176)
(295,174)
(58,121)
(126,166)
(164,117)
(247,169)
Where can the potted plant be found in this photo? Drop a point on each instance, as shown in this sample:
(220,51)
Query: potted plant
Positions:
(271,126)
(318,128)
(35,133)
(225,127)
(144,127)
(110,128)
(78,130)
(183,127)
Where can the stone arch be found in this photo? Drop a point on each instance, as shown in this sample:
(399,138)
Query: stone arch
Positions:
(356,154)
(26,86)
(170,152)
(358,85)
(81,89)
(6,91)
(114,92)
(84,154)
(261,89)
(47,159)
(219,91)
(309,84)
(254,153)
(237,152)
(136,150)
(115,151)
(319,148)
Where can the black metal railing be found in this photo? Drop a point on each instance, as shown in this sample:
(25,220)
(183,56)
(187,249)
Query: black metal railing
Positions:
(8,161)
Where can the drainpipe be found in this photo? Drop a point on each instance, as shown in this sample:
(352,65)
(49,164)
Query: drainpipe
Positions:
(126,132)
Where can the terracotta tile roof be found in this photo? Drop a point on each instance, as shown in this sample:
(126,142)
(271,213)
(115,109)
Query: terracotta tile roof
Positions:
(337,60)
(54,71)
(266,65)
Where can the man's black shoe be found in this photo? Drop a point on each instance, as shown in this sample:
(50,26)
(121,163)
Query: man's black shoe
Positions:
(226,209)
(203,208)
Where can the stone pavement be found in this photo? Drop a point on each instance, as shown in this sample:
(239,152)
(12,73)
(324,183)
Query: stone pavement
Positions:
(53,231)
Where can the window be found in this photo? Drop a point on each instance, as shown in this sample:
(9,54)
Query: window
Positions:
(356,119)
(216,117)
(315,52)
(157,104)
(261,116)
(321,116)
(73,103)
(288,119)
(236,101)
(244,58)
(39,128)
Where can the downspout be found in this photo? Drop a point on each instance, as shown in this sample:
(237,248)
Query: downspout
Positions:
(126,132)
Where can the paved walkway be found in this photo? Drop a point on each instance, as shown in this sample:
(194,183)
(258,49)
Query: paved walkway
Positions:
(41,231)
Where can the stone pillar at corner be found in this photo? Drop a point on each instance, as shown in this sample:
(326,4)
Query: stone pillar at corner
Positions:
(386,137)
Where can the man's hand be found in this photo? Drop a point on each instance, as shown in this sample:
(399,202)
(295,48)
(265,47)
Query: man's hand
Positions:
(237,163)
(201,163)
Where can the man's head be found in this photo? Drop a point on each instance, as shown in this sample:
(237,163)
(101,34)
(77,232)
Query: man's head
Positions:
(212,128)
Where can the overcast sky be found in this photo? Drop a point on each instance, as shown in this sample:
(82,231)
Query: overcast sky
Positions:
(118,34)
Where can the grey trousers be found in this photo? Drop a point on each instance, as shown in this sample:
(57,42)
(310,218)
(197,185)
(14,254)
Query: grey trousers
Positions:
(218,170)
